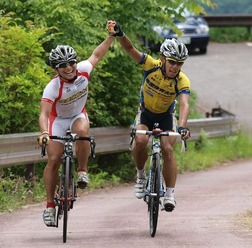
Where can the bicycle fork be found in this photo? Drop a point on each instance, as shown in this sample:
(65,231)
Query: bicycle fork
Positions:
(148,192)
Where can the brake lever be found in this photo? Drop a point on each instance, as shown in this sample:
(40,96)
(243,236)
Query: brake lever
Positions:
(43,148)
(132,137)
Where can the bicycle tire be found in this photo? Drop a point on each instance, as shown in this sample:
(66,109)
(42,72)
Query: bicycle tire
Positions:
(155,194)
(72,186)
(66,196)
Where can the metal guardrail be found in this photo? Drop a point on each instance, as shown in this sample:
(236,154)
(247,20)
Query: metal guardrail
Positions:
(229,20)
(21,149)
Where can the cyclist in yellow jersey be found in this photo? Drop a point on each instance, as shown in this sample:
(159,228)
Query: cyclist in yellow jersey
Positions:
(163,82)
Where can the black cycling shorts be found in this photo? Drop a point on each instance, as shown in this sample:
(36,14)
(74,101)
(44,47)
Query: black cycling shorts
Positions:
(165,120)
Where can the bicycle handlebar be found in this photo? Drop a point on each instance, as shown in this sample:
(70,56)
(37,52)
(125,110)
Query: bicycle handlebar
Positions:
(156,133)
(69,138)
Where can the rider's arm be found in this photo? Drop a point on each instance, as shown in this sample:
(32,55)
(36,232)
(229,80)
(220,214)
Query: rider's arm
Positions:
(115,30)
(183,109)
(100,51)
(129,48)
(45,109)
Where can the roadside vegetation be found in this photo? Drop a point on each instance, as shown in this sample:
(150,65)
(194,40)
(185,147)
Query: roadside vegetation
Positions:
(230,34)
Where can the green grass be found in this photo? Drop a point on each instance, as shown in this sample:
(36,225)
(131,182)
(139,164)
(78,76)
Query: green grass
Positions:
(16,192)
(208,152)
(230,34)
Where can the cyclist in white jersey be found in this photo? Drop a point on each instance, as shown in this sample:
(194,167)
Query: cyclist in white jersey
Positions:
(62,107)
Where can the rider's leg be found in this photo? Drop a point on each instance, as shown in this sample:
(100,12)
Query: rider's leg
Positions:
(80,127)
(140,153)
(54,152)
(82,149)
(169,165)
(169,172)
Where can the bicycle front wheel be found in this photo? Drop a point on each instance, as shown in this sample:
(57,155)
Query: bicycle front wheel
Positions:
(66,197)
(154,195)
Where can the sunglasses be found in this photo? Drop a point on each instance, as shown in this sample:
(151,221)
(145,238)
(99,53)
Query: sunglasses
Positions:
(174,62)
(65,64)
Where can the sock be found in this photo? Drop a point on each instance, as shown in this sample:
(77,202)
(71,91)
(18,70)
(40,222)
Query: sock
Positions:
(140,173)
(170,192)
(82,169)
(50,204)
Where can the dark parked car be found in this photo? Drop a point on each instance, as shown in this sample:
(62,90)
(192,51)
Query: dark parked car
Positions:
(195,34)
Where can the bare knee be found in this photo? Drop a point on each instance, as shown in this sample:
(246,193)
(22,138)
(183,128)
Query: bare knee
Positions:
(80,127)
(167,151)
(141,142)
(54,159)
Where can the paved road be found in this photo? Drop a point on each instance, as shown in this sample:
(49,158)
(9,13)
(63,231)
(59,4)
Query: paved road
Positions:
(223,77)
(207,216)
(209,202)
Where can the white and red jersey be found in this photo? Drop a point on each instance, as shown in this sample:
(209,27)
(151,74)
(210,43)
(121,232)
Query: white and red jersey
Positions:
(69,99)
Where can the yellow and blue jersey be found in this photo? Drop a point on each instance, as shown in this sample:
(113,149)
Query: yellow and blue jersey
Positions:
(158,93)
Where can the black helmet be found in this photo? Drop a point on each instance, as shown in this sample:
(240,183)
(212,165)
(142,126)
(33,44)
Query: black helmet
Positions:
(61,54)
(172,48)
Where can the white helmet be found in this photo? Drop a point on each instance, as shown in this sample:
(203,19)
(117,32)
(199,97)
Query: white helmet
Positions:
(61,54)
(175,49)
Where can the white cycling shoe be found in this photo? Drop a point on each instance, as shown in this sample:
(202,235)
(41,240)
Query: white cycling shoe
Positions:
(140,188)
(49,216)
(83,179)
(169,203)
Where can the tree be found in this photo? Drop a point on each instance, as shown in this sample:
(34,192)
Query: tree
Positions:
(41,25)
(22,75)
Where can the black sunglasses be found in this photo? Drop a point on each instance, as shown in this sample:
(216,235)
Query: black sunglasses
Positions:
(65,64)
(175,62)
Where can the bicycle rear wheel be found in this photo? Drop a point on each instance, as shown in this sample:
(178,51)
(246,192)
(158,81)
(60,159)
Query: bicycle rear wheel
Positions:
(154,196)
(65,199)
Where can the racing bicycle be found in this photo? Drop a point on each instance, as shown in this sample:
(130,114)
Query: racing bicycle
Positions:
(155,187)
(65,193)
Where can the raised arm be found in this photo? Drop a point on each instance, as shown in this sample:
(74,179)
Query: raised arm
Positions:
(100,51)
(115,30)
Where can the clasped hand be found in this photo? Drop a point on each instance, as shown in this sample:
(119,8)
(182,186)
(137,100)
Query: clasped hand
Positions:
(114,29)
